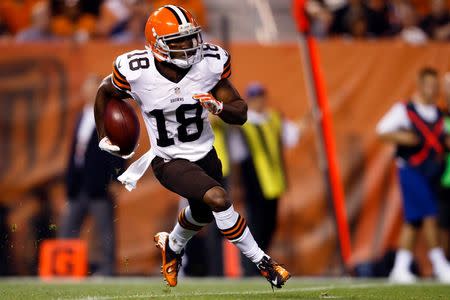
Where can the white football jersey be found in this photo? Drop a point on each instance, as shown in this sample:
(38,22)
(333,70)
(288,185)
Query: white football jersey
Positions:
(177,125)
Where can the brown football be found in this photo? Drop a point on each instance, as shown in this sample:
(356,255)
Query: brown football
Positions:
(122,125)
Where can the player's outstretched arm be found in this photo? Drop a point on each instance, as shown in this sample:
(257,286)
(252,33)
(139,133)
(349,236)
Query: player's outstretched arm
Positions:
(234,109)
(401,137)
(106,91)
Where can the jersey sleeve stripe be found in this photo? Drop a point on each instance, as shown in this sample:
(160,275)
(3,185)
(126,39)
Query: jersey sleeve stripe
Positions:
(227,68)
(119,80)
(120,85)
(227,74)
(227,63)
(114,84)
(124,82)
(118,74)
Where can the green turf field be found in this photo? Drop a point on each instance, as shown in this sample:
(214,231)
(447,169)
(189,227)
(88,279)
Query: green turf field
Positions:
(296,288)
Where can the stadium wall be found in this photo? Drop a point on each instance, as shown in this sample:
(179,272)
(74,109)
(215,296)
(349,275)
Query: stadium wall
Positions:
(39,84)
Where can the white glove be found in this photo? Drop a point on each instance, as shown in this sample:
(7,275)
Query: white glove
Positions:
(106,145)
(208,101)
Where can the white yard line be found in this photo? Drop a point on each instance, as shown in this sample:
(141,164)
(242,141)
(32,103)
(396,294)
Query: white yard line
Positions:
(243,293)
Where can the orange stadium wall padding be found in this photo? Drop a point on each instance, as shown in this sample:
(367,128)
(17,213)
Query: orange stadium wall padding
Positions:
(39,100)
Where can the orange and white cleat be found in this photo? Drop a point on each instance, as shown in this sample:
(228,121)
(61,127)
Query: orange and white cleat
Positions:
(275,274)
(171,261)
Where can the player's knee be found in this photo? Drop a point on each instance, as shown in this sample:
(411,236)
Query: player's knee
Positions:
(217,199)
(204,216)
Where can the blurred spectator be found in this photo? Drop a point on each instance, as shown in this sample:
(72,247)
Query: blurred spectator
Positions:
(89,175)
(320,17)
(75,19)
(395,15)
(444,199)
(358,26)
(115,14)
(415,128)
(334,5)
(378,17)
(16,14)
(195,7)
(421,7)
(320,14)
(124,20)
(4,31)
(135,25)
(437,23)
(360,20)
(410,32)
(258,149)
(39,28)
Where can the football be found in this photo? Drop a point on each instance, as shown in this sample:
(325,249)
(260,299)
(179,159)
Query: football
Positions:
(122,125)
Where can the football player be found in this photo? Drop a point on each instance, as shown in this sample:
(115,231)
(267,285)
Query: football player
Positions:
(177,81)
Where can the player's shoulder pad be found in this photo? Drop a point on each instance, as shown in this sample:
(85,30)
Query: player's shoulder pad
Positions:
(219,60)
(127,68)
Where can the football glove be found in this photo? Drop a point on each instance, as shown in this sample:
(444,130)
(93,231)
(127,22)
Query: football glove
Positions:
(208,101)
(106,145)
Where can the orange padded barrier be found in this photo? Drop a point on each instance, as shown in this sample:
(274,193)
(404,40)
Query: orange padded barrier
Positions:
(66,258)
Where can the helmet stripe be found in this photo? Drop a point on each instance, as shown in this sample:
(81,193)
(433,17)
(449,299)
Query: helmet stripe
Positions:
(179,14)
(183,11)
(174,13)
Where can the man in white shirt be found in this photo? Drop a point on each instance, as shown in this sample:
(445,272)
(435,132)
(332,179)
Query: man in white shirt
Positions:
(416,128)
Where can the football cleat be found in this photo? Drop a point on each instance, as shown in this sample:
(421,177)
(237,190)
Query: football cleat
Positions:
(171,261)
(275,274)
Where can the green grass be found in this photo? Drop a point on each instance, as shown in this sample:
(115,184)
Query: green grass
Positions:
(140,288)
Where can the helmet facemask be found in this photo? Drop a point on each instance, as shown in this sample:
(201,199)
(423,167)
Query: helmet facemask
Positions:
(183,57)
